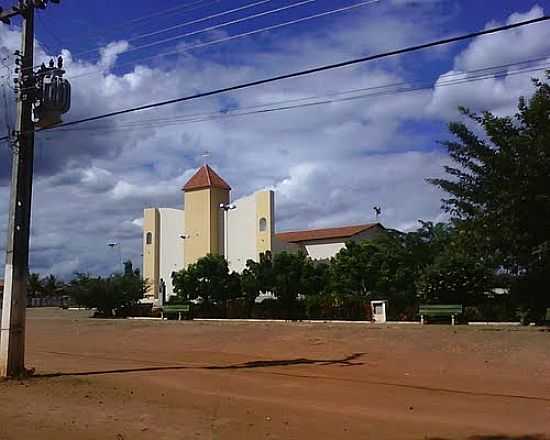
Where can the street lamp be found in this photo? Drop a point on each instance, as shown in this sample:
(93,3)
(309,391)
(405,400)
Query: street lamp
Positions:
(112,245)
(226,208)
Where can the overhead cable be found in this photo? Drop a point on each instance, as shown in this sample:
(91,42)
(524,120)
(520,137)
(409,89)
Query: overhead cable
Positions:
(306,72)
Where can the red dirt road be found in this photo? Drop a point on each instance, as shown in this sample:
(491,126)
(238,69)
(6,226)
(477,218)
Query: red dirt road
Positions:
(119,380)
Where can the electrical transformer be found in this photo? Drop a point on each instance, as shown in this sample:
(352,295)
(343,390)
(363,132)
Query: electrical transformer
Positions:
(53,97)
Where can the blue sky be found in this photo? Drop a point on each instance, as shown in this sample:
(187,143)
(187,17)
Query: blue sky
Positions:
(329,164)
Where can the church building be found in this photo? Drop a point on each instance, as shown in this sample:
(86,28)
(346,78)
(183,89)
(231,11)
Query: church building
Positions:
(211,223)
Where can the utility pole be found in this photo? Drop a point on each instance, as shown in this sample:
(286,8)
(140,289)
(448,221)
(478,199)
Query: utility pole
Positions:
(12,330)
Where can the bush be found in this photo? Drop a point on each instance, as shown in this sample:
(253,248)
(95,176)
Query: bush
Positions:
(114,296)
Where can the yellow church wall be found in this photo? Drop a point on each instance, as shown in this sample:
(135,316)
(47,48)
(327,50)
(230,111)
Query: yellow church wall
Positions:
(151,257)
(264,211)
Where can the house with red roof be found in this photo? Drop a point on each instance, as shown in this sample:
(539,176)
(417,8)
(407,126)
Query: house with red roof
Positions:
(323,244)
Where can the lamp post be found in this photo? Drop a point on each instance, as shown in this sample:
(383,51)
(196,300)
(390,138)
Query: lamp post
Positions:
(226,207)
(112,245)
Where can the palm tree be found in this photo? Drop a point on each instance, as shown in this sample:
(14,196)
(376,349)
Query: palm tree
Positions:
(35,285)
(52,286)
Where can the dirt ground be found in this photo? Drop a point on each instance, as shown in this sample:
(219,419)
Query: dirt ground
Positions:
(122,380)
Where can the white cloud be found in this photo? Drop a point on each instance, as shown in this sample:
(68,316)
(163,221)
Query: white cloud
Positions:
(110,53)
(497,94)
(509,46)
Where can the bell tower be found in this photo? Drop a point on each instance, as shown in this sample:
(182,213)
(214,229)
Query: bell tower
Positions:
(203,194)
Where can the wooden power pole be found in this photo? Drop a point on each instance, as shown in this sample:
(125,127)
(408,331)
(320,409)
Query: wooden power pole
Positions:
(12,330)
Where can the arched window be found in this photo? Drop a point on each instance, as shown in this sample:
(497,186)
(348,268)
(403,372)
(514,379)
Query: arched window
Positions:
(263,224)
(149,238)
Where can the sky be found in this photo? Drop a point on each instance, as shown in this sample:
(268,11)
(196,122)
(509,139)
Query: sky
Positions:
(328,164)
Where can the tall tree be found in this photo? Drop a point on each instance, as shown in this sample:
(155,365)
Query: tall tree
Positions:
(35,285)
(52,286)
(256,278)
(288,277)
(499,188)
(209,279)
(352,270)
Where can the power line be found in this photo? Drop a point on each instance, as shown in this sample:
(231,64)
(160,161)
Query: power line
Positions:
(306,72)
(485,71)
(148,124)
(58,41)
(240,20)
(292,107)
(226,24)
(182,25)
(187,7)
(232,37)
(171,11)
(500,66)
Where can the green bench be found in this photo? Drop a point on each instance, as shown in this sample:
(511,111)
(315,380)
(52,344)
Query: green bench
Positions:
(427,310)
(547,317)
(173,309)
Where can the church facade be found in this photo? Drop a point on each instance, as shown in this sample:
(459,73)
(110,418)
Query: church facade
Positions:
(240,230)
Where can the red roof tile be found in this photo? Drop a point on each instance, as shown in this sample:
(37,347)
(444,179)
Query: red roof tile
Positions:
(206,177)
(324,234)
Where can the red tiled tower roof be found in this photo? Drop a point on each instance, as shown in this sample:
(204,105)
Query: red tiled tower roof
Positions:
(205,177)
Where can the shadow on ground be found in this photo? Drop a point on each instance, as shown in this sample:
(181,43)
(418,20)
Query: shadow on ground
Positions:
(347,361)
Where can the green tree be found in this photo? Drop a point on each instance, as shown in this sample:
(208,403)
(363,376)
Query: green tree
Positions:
(391,265)
(256,278)
(92,292)
(455,277)
(499,189)
(115,295)
(35,285)
(382,268)
(52,286)
(315,278)
(288,279)
(209,279)
(352,270)
(128,290)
